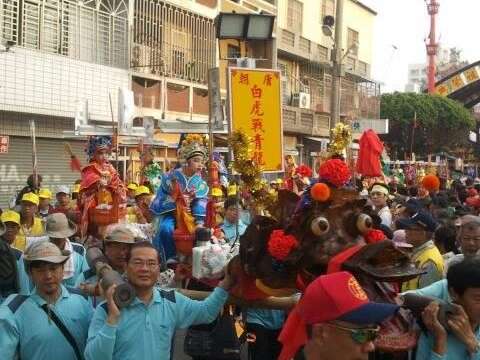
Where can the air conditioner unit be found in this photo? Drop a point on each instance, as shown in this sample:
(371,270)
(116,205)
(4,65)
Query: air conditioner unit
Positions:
(245,62)
(301,100)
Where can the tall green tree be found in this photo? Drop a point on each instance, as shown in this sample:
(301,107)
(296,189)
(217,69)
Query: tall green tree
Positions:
(441,124)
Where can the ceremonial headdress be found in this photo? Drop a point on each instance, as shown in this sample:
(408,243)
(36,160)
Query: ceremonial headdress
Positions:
(95,143)
(192,145)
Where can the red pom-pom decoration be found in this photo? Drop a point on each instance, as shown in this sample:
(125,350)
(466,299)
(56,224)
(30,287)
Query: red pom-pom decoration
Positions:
(373,236)
(304,171)
(281,245)
(320,192)
(335,171)
(431,183)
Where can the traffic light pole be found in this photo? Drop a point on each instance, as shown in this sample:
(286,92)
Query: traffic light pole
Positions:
(337,65)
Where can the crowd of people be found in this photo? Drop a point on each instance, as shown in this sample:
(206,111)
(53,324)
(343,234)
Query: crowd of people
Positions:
(63,276)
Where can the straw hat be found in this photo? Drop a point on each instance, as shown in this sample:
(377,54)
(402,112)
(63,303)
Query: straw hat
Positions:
(45,251)
(58,226)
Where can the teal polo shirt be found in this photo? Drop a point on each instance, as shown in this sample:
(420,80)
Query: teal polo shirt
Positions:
(456,350)
(230,230)
(145,331)
(80,263)
(269,319)
(26,330)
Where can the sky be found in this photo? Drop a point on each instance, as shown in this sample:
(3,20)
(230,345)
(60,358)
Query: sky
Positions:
(405,24)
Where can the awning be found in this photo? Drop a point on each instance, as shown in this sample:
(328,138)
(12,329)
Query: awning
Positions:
(319,139)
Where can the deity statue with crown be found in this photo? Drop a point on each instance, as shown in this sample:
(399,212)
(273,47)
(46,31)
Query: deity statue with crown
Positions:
(102,199)
(180,202)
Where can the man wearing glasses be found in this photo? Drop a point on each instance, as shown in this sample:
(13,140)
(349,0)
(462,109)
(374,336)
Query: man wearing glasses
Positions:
(333,320)
(144,329)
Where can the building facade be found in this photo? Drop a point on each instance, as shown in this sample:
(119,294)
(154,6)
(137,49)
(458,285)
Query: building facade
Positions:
(304,58)
(57,55)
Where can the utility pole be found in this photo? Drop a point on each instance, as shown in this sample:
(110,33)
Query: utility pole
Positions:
(337,65)
(432,44)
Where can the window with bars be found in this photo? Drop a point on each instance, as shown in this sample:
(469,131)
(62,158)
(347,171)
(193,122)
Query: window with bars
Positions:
(353,41)
(327,9)
(295,16)
(363,68)
(92,30)
(172,42)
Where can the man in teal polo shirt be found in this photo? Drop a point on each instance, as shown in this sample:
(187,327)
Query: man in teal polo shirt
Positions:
(144,329)
(29,325)
(461,340)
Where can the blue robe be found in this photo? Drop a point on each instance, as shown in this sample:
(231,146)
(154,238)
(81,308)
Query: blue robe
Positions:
(164,207)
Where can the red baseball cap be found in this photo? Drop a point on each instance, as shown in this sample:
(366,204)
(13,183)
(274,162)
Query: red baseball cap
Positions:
(339,296)
(336,296)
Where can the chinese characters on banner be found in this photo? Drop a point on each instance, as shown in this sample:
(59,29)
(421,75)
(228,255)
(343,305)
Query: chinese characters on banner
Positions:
(458,81)
(256,109)
(4,142)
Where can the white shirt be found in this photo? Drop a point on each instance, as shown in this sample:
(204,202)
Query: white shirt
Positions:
(386,216)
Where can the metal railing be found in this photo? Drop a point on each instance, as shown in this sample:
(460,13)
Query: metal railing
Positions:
(93,31)
(172,42)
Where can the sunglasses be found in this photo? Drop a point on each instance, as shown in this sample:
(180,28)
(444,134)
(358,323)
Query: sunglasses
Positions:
(360,336)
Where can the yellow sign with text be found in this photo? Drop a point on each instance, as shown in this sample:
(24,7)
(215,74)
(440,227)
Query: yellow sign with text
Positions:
(256,109)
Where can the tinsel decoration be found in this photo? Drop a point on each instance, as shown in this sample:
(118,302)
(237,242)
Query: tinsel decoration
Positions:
(341,137)
(250,172)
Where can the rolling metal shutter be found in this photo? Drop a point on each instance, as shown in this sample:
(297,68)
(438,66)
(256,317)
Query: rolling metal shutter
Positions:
(53,165)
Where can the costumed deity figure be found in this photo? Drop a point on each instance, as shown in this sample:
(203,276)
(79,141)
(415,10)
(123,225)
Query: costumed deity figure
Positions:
(102,198)
(181,199)
(151,174)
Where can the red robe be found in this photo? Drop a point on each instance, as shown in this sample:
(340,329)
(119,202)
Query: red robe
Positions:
(371,148)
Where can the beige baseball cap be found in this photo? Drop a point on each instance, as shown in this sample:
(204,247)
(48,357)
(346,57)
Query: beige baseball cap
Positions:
(45,251)
(121,233)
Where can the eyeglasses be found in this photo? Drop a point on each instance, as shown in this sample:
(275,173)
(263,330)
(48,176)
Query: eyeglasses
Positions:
(151,264)
(360,336)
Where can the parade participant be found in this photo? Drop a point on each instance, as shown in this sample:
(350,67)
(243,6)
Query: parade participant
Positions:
(11,262)
(419,231)
(144,329)
(53,321)
(75,192)
(102,193)
(63,200)
(468,238)
(233,227)
(333,320)
(30,225)
(59,229)
(140,212)
(116,245)
(131,194)
(181,200)
(44,206)
(379,196)
(33,186)
(461,338)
